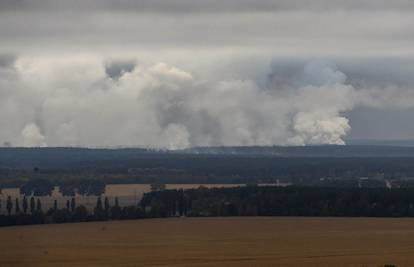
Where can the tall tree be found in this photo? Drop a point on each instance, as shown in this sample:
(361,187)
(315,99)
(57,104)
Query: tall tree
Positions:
(106,205)
(99,204)
(116,210)
(72,204)
(17,206)
(116,202)
(32,205)
(9,205)
(98,210)
(67,204)
(25,204)
(39,205)
(80,214)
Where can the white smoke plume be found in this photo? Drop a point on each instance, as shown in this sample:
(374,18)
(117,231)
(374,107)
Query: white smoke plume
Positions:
(91,103)
(31,136)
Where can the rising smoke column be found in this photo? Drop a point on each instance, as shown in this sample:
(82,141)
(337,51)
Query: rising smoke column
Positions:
(158,105)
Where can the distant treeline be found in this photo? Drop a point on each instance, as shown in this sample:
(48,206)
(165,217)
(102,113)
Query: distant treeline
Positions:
(238,201)
(194,169)
(95,186)
(281,201)
(31,212)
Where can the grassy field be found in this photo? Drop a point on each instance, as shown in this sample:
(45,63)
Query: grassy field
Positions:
(213,242)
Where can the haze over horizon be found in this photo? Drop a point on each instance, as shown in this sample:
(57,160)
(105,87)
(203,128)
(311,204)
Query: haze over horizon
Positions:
(178,74)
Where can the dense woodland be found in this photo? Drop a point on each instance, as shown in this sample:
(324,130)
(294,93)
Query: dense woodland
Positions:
(319,165)
(238,201)
(281,201)
(326,181)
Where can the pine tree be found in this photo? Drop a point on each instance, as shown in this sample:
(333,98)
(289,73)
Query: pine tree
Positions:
(32,205)
(99,204)
(9,205)
(73,204)
(17,206)
(39,205)
(116,210)
(25,204)
(106,205)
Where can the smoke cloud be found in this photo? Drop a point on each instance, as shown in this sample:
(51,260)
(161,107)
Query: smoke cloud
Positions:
(92,103)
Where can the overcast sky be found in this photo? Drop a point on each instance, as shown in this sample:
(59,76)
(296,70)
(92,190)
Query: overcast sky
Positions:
(183,73)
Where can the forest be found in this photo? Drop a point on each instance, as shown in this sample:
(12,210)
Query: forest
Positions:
(237,201)
(334,165)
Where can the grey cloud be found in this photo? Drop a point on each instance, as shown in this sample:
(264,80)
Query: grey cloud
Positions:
(117,68)
(7,60)
(381,124)
(7,70)
(283,32)
(185,6)
(331,61)
(154,28)
(360,72)
(381,72)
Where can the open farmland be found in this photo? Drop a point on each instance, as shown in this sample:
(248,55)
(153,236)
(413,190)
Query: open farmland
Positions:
(248,241)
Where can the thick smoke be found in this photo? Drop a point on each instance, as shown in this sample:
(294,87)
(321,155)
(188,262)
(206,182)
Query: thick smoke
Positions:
(87,102)
(31,136)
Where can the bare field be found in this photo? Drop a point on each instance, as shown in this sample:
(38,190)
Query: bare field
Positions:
(213,242)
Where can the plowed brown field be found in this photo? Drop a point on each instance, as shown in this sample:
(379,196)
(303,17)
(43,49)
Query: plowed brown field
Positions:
(254,241)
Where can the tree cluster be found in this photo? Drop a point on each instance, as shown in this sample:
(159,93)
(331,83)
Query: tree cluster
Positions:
(237,201)
(281,201)
(31,212)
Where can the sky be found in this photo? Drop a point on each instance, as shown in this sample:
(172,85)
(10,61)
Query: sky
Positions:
(180,73)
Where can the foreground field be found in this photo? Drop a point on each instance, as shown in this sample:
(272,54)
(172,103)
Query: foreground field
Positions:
(213,242)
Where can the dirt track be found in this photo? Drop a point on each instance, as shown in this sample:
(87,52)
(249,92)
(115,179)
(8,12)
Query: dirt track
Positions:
(213,242)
